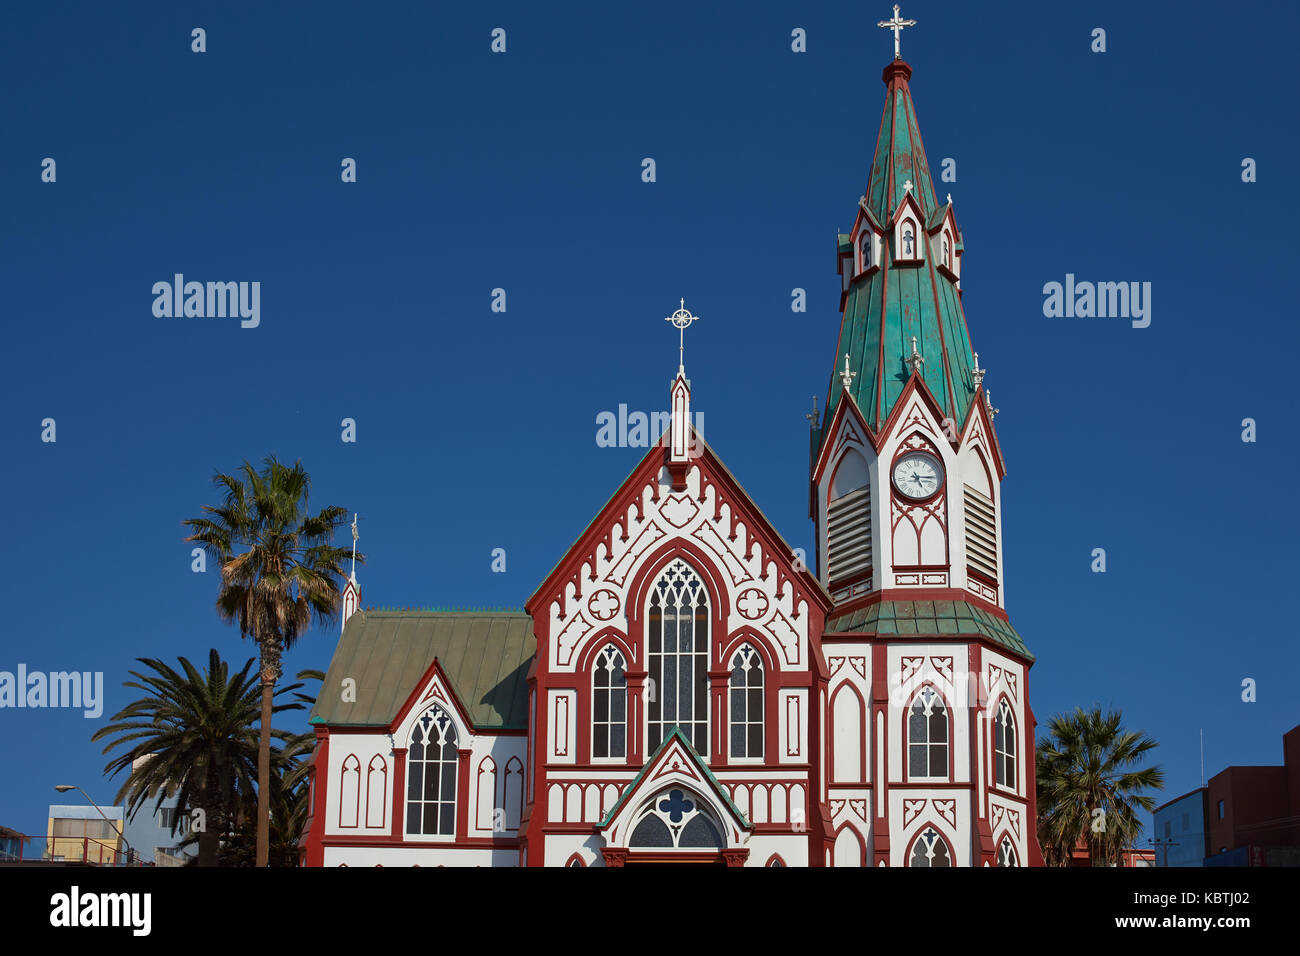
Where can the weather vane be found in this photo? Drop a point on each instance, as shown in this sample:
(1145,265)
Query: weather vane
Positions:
(896,25)
(682,319)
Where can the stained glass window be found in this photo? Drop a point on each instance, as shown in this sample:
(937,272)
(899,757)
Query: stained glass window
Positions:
(1004,745)
(930,850)
(927,735)
(1007,853)
(609,704)
(746,693)
(678,658)
(431,762)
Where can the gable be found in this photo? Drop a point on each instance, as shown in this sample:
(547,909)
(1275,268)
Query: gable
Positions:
(596,587)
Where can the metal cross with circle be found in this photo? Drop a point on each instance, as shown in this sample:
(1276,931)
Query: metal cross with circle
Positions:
(896,25)
(682,319)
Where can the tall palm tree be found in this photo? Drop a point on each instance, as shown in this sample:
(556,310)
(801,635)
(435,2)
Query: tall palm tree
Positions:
(1090,763)
(279,570)
(197,731)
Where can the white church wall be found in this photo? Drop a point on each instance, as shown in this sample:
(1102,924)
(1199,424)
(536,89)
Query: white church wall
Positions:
(946,668)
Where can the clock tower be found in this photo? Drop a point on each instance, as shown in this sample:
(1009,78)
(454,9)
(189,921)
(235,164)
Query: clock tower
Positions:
(906,497)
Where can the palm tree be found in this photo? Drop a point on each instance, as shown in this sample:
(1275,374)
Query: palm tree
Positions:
(197,731)
(279,569)
(1089,786)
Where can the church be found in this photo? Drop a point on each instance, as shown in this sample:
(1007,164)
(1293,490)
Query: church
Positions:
(682,688)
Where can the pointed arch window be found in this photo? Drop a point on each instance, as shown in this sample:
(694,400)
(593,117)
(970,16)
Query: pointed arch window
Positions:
(947,251)
(864,250)
(431,783)
(746,693)
(1007,853)
(927,735)
(678,819)
(678,658)
(609,704)
(1004,745)
(930,850)
(848,518)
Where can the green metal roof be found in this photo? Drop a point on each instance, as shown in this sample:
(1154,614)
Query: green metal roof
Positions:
(883,310)
(924,619)
(485,656)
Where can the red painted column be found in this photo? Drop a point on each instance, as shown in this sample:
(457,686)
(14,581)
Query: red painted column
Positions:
(880,754)
(399,794)
(462,795)
(315,838)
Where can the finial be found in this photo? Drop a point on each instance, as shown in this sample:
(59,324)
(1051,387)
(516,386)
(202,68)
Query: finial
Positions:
(916,359)
(846,376)
(950,199)
(896,25)
(907,186)
(977,373)
(988,403)
(682,319)
(355,535)
(812,416)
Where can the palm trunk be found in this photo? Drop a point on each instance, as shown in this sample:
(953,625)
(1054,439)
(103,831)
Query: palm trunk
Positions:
(269,674)
(210,837)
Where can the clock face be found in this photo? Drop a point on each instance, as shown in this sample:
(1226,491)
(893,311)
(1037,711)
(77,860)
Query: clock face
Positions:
(917,476)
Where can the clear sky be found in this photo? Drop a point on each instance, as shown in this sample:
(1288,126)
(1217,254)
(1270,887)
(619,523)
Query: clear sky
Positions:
(476,429)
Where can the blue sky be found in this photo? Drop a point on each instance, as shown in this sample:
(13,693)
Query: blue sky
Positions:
(476,430)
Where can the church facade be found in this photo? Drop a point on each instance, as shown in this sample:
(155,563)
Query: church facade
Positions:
(682,688)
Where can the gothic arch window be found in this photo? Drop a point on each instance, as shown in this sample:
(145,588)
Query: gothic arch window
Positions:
(746,694)
(350,792)
(678,819)
(909,243)
(609,704)
(930,849)
(575,860)
(947,250)
(864,250)
(1004,745)
(927,735)
(1007,853)
(431,762)
(678,657)
(775,861)
(981,520)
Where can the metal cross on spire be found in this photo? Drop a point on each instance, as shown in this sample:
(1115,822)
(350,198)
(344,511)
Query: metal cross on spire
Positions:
(896,25)
(682,319)
(355,535)
(846,376)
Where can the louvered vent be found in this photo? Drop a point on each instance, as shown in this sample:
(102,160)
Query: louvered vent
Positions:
(848,536)
(981,533)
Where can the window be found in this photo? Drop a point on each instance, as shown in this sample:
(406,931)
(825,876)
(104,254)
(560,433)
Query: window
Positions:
(676,818)
(927,735)
(1220,809)
(609,704)
(746,694)
(431,776)
(678,630)
(168,816)
(1007,853)
(947,252)
(909,242)
(1004,745)
(930,850)
(864,250)
(981,528)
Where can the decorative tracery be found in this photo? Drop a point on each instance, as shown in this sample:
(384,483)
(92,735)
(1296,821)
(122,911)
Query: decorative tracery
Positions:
(431,775)
(930,850)
(1007,853)
(675,818)
(1004,745)
(927,735)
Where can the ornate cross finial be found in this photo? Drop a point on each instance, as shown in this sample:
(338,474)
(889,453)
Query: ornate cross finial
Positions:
(950,199)
(988,403)
(846,376)
(977,373)
(896,25)
(682,319)
(916,359)
(812,416)
(355,535)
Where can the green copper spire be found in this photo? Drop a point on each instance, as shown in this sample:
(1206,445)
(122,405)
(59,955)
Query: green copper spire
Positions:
(887,302)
